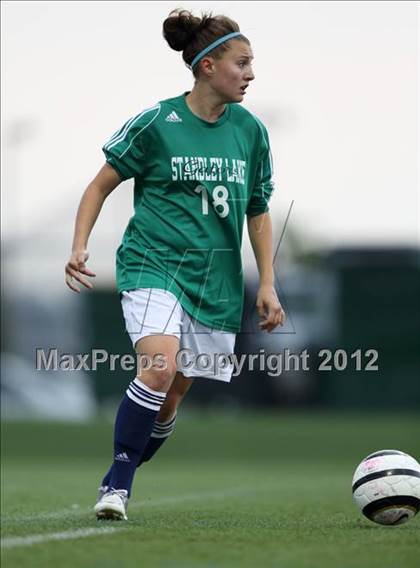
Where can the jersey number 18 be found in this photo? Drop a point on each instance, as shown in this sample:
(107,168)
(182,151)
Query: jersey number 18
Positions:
(219,195)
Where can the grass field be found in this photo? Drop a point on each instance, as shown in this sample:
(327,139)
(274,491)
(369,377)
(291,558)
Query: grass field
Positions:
(245,490)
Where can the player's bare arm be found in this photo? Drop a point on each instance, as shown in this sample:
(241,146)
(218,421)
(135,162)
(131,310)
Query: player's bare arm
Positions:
(261,237)
(90,206)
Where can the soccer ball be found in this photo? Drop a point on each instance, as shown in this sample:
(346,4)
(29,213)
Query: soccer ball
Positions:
(386,487)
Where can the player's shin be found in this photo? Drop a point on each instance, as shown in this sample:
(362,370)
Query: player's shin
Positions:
(133,427)
(160,433)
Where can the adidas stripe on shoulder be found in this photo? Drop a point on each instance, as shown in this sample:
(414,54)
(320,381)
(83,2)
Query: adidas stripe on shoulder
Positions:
(264,134)
(149,114)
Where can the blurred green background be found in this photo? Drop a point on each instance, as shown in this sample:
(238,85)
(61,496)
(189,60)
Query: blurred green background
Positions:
(347,299)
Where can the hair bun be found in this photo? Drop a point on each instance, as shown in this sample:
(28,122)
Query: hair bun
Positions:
(180,27)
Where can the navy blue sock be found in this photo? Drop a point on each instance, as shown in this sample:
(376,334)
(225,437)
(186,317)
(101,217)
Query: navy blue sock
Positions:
(107,478)
(133,427)
(160,433)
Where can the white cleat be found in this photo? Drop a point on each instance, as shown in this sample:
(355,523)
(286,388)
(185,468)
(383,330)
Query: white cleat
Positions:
(112,505)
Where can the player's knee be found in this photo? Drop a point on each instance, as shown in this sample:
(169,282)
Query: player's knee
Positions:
(158,379)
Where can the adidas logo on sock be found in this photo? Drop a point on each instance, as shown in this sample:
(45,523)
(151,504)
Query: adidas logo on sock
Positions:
(173,117)
(122,457)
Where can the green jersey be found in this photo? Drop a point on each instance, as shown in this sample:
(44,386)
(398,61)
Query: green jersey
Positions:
(194,182)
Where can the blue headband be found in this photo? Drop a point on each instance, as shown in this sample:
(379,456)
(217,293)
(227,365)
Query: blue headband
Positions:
(212,46)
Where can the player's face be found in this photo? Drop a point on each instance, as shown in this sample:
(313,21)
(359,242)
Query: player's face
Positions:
(233,72)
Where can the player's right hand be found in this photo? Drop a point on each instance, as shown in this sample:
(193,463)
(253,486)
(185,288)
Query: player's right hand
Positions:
(74,269)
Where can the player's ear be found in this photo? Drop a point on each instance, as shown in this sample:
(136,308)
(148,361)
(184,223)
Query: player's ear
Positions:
(207,66)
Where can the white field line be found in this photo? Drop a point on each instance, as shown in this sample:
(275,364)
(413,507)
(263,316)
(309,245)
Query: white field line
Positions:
(28,540)
(75,510)
(19,541)
(78,511)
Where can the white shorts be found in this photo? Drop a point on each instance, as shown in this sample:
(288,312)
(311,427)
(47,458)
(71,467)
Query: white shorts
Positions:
(203,352)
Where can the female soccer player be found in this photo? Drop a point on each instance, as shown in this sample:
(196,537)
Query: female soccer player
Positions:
(201,163)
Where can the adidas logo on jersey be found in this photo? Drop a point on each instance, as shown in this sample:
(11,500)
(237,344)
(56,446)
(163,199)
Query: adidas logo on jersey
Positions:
(173,117)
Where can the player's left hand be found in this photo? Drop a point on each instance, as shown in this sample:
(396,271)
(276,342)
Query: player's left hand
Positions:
(269,308)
